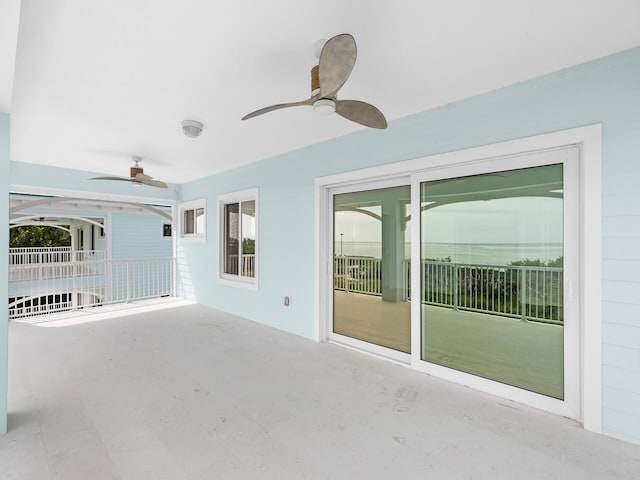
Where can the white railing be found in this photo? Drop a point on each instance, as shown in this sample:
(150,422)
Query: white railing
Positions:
(140,278)
(358,274)
(526,292)
(248,265)
(38,249)
(54,287)
(44,265)
(31,255)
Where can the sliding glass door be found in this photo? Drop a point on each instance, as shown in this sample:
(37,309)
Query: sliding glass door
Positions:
(469,272)
(492,272)
(371,239)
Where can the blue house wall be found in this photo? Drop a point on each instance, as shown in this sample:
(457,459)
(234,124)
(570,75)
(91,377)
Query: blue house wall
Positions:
(606,91)
(139,236)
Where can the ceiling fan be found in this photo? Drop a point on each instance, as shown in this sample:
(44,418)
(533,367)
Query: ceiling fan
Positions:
(337,59)
(137,176)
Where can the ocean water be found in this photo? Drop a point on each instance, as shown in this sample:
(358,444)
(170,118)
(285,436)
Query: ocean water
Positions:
(475,253)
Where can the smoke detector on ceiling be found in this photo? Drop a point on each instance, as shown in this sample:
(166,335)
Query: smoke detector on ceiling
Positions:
(192,128)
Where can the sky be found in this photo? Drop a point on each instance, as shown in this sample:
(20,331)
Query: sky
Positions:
(512,220)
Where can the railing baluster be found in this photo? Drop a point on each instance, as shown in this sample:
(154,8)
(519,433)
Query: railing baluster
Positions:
(127,280)
(525,292)
(455,285)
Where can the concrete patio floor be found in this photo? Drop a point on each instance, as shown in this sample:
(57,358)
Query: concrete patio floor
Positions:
(187,392)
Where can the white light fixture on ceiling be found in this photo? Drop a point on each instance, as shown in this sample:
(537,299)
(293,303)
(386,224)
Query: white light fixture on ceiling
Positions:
(192,128)
(324,106)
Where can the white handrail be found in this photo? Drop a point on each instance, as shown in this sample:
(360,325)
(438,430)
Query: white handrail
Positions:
(527,292)
(38,249)
(42,255)
(56,286)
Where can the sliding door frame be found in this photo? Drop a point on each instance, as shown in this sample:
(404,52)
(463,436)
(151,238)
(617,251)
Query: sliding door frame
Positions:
(389,353)
(568,157)
(588,140)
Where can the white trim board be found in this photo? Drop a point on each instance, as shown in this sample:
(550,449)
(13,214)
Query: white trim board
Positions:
(60,192)
(589,141)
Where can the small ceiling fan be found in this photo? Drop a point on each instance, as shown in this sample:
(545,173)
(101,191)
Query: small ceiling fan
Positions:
(137,176)
(337,58)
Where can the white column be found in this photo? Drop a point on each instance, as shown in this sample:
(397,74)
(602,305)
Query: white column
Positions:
(393,225)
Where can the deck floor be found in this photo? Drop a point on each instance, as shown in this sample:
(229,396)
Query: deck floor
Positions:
(524,354)
(192,393)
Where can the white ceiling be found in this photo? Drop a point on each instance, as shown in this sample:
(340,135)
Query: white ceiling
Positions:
(98,81)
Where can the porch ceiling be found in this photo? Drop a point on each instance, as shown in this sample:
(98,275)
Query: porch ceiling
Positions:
(96,82)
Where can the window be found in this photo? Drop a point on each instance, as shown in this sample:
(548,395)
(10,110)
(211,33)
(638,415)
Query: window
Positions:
(193,220)
(238,237)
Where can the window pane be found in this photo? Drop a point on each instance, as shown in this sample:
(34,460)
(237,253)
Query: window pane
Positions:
(492,276)
(371,267)
(199,223)
(231,236)
(189,222)
(248,238)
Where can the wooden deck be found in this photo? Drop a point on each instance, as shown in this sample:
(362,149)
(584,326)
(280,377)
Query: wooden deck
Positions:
(523,354)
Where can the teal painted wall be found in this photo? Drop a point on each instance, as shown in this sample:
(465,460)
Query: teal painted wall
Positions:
(605,91)
(4,266)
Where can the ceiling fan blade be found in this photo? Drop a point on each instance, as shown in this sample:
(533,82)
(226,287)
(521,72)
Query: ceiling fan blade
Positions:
(337,59)
(122,179)
(142,177)
(156,183)
(145,179)
(362,113)
(277,107)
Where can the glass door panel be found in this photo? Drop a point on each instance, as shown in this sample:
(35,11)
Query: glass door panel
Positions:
(492,276)
(371,249)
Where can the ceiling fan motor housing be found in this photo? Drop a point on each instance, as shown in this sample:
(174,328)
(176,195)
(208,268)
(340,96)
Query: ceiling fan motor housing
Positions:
(135,171)
(315,80)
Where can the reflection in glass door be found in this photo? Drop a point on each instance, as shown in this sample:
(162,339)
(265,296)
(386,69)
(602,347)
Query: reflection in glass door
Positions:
(492,276)
(371,267)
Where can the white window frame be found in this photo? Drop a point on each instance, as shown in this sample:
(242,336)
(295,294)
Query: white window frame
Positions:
(193,205)
(250,283)
(589,141)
